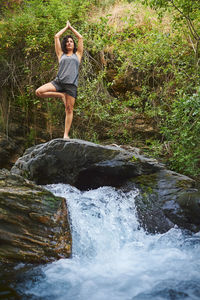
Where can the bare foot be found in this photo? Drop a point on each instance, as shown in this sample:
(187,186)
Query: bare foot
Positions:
(66,137)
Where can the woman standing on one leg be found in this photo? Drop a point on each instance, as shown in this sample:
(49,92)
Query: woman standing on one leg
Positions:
(65,84)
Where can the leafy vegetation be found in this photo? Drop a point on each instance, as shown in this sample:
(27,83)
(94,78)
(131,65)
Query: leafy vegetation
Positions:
(183,11)
(181,130)
(140,66)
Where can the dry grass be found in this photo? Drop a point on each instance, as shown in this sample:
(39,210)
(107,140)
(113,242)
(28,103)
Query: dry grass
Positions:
(122,12)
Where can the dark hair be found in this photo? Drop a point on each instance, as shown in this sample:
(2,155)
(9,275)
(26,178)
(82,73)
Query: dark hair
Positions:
(64,41)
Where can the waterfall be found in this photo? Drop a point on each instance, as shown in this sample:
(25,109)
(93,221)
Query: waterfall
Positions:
(113,258)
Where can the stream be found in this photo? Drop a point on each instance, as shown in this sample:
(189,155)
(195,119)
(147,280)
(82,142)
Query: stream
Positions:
(113,258)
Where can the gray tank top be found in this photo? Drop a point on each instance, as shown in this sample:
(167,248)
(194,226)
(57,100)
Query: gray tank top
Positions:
(68,69)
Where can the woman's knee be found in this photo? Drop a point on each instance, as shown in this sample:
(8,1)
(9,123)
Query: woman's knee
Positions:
(69,108)
(69,104)
(38,93)
(48,87)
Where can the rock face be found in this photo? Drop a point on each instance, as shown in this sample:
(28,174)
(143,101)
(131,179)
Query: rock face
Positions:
(81,163)
(166,198)
(33,222)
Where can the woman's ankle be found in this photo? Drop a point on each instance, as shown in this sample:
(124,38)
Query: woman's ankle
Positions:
(66,136)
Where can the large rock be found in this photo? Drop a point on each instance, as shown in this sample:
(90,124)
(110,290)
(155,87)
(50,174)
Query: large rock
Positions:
(34,224)
(166,198)
(81,163)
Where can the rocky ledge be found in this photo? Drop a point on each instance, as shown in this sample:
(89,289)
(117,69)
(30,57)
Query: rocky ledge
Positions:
(166,198)
(82,164)
(34,224)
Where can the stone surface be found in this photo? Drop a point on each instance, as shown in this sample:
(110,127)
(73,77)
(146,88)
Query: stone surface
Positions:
(34,224)
(80,163)
(166,198)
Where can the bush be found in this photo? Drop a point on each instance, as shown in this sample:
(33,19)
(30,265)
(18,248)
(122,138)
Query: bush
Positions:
(182,131)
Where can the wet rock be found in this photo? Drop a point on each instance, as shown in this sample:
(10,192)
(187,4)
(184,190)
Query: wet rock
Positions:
(34,224)
(166,198)
(190,204)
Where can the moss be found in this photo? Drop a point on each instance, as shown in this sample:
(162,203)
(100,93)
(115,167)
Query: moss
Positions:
(185,184)
(147,182)
(26,174)
(50,200)
(134,159)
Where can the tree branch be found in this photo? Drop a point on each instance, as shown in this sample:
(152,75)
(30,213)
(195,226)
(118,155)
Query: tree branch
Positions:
(190,25)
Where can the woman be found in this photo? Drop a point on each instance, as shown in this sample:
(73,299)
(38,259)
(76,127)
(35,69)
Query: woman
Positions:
(64,86)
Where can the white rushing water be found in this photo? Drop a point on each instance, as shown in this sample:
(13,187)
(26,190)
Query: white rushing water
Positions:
(113,259)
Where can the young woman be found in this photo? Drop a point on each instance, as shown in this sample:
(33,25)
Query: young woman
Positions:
(65,84)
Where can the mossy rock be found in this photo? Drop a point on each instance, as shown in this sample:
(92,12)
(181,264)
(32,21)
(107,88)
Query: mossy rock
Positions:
(34,223)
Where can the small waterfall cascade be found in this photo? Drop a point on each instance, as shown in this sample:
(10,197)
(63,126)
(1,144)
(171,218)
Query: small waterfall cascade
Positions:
(113,258)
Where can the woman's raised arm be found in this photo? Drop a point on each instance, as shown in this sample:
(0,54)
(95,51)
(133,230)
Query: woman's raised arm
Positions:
(80,40)
(57,36)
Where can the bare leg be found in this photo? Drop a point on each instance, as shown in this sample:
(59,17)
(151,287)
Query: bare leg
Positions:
(48,90)
(69,105)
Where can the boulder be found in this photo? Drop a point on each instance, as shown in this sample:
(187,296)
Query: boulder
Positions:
(166,198)
(80,163)
(34,224)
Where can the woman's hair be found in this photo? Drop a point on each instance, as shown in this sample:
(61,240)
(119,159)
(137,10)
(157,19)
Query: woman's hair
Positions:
(63,44)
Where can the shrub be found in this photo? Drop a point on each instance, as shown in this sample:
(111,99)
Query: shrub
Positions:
(182,131)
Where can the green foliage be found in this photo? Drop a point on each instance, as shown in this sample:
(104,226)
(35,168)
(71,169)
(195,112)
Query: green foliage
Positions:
(183,11)
(98,115)
(182,132)
(154,65)
(186,7)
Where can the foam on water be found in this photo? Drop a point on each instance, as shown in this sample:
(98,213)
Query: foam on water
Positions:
(113,258)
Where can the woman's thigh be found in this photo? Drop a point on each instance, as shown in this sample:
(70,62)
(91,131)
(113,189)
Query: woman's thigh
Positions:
(48,87)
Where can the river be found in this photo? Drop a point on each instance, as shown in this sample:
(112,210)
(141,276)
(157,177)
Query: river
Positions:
(113,258)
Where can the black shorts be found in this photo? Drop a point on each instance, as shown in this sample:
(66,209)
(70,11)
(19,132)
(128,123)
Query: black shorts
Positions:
(66,88)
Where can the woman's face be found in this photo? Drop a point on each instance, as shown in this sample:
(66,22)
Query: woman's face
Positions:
(70,44)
